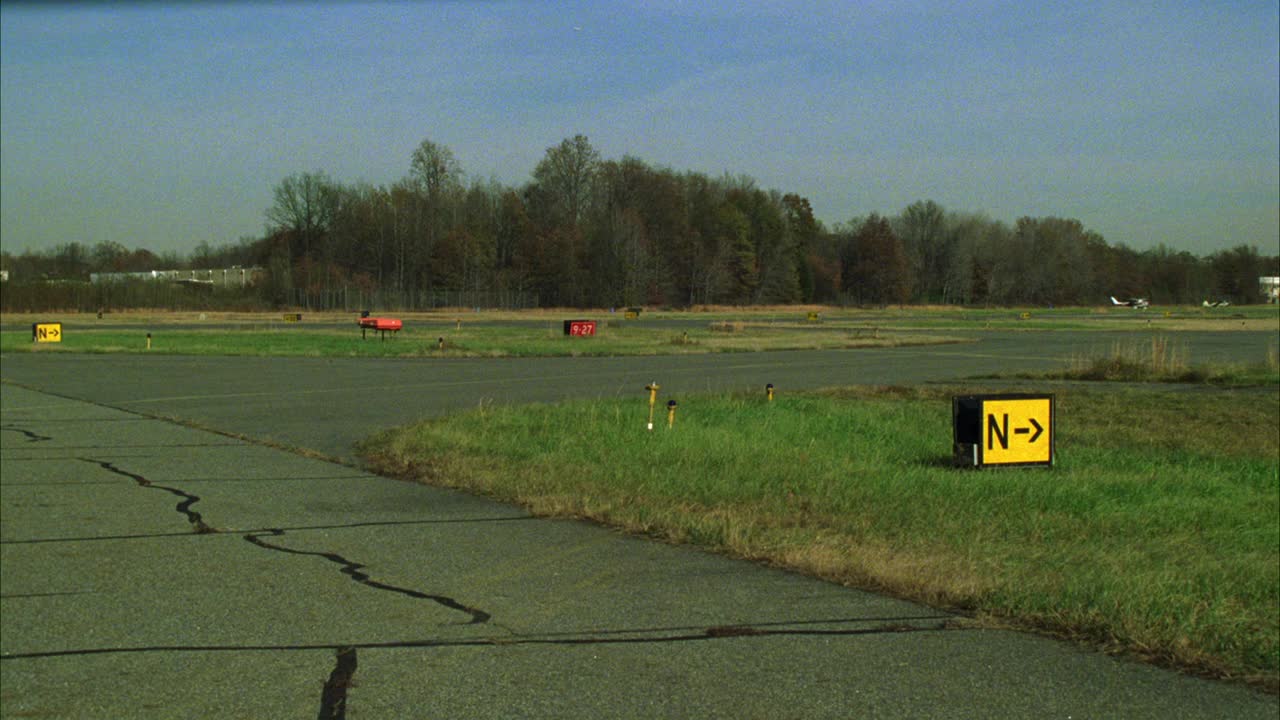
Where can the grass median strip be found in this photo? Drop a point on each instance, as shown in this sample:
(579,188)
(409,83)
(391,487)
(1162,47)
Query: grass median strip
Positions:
(1163,360)
(471,340)
(1156,533)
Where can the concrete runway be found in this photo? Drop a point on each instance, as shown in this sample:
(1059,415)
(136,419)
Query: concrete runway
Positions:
(150,569)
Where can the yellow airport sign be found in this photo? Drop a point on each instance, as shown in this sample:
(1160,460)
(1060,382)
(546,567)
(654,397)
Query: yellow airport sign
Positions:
(50,332)
(1018,431)
(1003,429)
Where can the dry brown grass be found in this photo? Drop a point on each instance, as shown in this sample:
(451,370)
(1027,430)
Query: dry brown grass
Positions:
(728,326)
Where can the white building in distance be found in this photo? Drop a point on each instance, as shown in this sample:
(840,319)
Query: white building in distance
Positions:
(1270,287)
(225,277)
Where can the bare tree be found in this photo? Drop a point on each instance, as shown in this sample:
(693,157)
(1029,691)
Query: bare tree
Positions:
(301,204)
(436,176)
(303,209)
(566,172)
(435,170)
(922,229)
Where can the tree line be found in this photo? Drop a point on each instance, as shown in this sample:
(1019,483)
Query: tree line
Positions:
(590,232)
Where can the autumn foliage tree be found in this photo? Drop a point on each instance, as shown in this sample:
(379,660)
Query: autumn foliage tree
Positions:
(876,268)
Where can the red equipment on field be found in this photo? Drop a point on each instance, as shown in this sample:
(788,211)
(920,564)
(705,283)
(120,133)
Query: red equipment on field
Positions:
(380,325)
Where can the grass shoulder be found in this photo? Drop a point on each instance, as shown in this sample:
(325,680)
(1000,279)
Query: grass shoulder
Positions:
(1155,534)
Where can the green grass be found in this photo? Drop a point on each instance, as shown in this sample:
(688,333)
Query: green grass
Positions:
(469,340)
(539,333)
(1157,533)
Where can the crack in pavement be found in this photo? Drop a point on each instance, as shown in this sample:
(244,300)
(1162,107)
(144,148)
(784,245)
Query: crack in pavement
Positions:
(352,570)
(653,636)
(31,436)
(123,446)
(342,526)
(139,536)
(184,507)
(19,596)
(333,700)
(63,421)
(66,483)
(49,483)
(349,568)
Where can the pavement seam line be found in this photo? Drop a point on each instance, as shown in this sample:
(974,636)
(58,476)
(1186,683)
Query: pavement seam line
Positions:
(714,633)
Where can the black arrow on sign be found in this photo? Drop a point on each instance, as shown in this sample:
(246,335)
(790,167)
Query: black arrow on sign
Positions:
(1024,431)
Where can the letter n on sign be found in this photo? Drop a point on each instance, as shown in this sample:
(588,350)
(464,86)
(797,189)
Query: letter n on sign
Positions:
(46,332)
(1003,430)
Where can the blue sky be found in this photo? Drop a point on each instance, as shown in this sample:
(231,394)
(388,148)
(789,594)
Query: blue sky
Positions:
(163,127)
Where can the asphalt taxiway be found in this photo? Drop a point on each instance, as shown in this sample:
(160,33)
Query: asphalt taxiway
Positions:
(156,569)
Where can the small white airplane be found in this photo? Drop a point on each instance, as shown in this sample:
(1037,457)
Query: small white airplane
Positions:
(1220,303)
(1135,303)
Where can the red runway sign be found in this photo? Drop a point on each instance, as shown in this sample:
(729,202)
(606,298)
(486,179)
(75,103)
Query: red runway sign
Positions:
(580,328)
